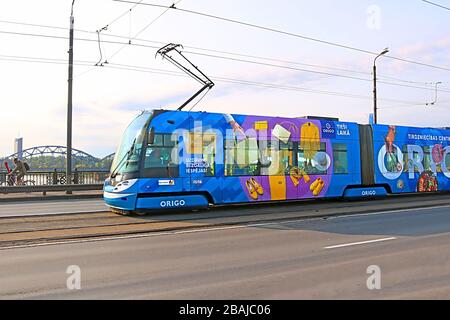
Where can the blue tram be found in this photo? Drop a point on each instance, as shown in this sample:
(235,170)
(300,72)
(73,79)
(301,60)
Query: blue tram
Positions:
(176,159)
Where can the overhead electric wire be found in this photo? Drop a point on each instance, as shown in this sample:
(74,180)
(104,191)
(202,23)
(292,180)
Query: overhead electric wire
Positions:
(402,80)
(224,52)
(129,38)
(270,59)
(21,23)
(434,4)
(245,55)
(306,70)
(121,15)
(220,79)
(227,58)
(335,44)
(404,106)
(145,28)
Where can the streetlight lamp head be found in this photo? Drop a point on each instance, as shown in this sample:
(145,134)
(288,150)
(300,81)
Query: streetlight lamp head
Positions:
(386,50)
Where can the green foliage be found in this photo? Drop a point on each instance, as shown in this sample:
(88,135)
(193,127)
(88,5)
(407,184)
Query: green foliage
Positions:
(47,162)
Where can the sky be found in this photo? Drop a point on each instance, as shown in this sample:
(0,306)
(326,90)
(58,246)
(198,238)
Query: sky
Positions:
(33,70)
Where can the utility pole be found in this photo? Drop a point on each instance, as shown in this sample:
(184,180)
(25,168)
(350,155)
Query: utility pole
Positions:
(375,117)
(69,105)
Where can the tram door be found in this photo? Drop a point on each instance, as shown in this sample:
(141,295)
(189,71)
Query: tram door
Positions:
(201,163)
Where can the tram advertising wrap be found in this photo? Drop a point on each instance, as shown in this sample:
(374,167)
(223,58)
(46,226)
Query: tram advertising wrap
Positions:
(412,159)
(176,159)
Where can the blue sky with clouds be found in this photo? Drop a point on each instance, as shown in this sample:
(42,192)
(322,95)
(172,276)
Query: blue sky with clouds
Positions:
(33,95)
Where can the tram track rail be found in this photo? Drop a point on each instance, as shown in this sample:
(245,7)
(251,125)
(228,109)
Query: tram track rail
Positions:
(38,229)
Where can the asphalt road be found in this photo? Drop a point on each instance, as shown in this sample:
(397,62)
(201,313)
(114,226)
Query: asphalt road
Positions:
(51,207)
(314,259)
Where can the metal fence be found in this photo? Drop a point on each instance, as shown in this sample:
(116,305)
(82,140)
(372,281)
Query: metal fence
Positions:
(47,178)
(50,188)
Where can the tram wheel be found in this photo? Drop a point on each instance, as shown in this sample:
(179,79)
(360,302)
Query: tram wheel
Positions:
(141,213)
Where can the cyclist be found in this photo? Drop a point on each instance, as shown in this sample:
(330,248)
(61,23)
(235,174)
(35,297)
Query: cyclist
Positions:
(19,170)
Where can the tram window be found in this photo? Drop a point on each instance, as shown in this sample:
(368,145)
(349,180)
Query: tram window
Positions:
(203,148)
(340,160)
(253,158)
(286,156)
(276,158)
(407,162)
(405,158)
(305,160)
(158,140)
(446,162)
(241,157)
(161,159)
(427,158)
(209,153)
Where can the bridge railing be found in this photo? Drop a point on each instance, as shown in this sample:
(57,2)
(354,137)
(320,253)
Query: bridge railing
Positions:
(55,177)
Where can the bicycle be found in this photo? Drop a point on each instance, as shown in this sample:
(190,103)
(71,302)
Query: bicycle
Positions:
(13,181)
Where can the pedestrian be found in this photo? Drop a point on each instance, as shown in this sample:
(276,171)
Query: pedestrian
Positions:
(20,170)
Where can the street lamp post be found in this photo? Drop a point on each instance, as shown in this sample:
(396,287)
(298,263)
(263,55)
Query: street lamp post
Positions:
(375,85)
(69,104)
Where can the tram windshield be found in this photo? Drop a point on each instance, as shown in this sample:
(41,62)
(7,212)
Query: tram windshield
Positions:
(127,157)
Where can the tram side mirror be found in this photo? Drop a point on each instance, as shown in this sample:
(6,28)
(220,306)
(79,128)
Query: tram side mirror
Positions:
(151,136)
